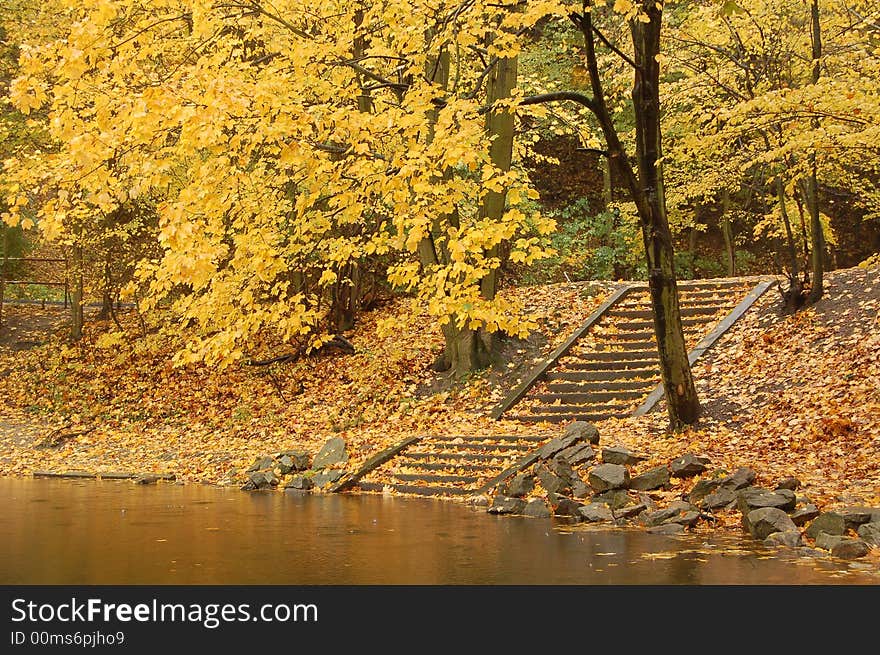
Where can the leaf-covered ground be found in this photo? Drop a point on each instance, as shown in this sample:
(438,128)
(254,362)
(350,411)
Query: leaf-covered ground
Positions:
(786,395)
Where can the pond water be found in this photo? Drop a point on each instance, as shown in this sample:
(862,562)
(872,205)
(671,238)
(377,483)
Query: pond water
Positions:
(102,532)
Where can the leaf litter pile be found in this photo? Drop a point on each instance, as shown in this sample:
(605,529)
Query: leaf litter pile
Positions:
(785,395)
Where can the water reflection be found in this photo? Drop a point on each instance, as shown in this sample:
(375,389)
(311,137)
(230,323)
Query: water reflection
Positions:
(89,532)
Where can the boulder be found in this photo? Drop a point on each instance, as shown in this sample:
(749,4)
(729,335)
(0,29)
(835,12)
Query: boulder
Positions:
(629,511)
(739,479)
(560,467)
(620,455)
(299,482)
(536,508)
(850,549)
(608,476)
(722,498)
(788,538)
(856,516)
(580,489)
(672,514)
(480,500)
(804,514)
(667,528)
(332,454)
(582,430)
(596,512)
(260,463)
(506,505)
(520,486)
(564,506)
(286,464)
(302,461)
(827,541)
(557,445)
(829,522)
(579,453)
(792,484)
(688,465)
(702,489)
(751,498)
(761,523)
(654,478)
(615,498)
(550,481)
(870,532)
(327,476)
(263,479)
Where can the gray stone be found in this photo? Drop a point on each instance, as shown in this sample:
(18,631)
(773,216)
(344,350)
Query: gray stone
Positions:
(562,469)
(302,461)
(806,551)
(803,515)
(667,528)
(763,522)
(327,476)
(788,538)
(480,500)
(850,549)
(608,476)
(739,479)
(147,478)
(702,489)
(722,498)
(564,506)
(654,478)
(751,498)
(552,482)
(685,518)
(299,482)
(536,509)
(263,479)
(580,489)
(675,510)
(556,445)
(260,463)
(583,430)
(792,484)
(579,453)
(870,532)
(688,465)
(830,522)
(520,486)
(856,516)
(629,511)
(615,498)
(285,464)
(827,541)
(596,512)
(647,501)
(506,505)
(332,454)
(620,455)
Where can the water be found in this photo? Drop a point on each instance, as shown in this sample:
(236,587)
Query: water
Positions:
(102,532)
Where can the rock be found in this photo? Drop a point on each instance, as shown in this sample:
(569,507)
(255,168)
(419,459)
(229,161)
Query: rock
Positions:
(506,505)
(552,482)
(671,514)
(147,479)
(739,479)
(688,465)
(480,500)
(260,463)
(520,486)
(620,455)
(827,541)
(596,512)
(761,523)
(608,476)
(263,479)
(562,469)
(286,464)
(667,528)
(870,532)
(564,506)
(580,489)
(751,498)
(654,478)
(685,518)
(788,538)
(615,498)
(850,549)
(556,445)
(300,458)
(829,522)
(536,509)
(647,501)
(579,453)
(583,431)
(299,482)
(248,486)
(702,489)
(326,477)
(332,454)
(792,484)
(723,498)
(803,515)
(856,516)
(629,511)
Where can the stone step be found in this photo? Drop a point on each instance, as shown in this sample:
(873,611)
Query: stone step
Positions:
(617,356)
(649,324)
(433,478)
(415,489)
(626,346)
(564,418)
(575,408)
(447,466)
(471,446)
(453,457)
(646,313)
(600,396)
(483,438)
(583,363)
(623,407)
(590,373)
(585,384)
(582,396)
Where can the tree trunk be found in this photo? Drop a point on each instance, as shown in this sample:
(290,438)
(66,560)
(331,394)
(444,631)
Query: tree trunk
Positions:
(812,191)
(76,301)
(727,233)
(794,295)
(681,394)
